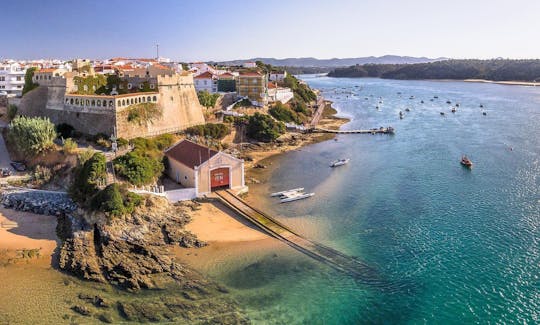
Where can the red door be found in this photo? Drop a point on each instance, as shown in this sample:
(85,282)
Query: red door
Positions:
(219,178)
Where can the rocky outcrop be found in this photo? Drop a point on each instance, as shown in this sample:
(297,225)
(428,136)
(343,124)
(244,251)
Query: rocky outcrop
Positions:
(132,252)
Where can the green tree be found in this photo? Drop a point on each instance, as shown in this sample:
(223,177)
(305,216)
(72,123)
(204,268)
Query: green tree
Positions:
(32,135)
(285,114)
(264,128)
(12,111)
(213,130)
(87,177)
(138,169)
(29,83)
(207,99)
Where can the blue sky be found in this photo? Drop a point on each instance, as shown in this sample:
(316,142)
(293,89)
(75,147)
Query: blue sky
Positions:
(222,30)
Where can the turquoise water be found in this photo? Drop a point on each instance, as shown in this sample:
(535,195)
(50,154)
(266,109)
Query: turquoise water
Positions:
(454,246)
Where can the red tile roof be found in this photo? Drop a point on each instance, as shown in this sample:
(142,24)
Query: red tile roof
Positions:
(189,153)
(46,70)
(205,75)
(226,75)
(250,73)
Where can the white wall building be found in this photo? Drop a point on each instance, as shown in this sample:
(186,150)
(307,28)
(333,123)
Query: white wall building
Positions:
(277,76)
(205,81)
(249,64)
(279,94)
(12,78)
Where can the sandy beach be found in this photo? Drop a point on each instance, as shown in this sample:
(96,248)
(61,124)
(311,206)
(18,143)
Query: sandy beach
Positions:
(27,231)
(512,83)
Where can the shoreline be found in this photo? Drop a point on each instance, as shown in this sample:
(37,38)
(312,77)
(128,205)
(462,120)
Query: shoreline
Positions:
(501,82)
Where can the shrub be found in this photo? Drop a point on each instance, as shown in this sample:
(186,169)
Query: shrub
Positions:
(138,169)
(283,113)
(84,156)
(88,176)
(32,135)
(264,128)
(115,200)
(70,145)
(65,130)
(212,130)
(12,111)
(143,113)
(122,142)
(207,99)
(41,175)
(243,103)
(29,83)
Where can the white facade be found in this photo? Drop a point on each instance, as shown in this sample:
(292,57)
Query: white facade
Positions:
(12,78)
(249,65)
(280,94)
(277,76)
(205,82)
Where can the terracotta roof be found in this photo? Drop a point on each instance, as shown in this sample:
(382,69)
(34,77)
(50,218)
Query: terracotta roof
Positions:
(46,70)
(204,75)
(189,153)
(250,73)
(226,75)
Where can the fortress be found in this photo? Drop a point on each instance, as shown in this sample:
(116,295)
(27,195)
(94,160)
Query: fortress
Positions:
(139,102)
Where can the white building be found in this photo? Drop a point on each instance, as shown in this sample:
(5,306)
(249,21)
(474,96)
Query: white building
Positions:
(12,78)
(279,94)
(205,81)
(249,64)
(277,76)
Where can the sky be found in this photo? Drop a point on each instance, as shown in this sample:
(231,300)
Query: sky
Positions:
(204,30)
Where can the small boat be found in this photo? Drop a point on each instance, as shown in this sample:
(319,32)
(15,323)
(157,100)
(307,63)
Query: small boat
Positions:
(286,192)
(466,162)
(412,97)
(481,106)
(390,130)
(377,107)
(339,162)
(442,113)
(457,104)
(484,113)
(400,114)
(407,110)
(296,196)
(435,97)
(453,109)
(421,102)
(449,102)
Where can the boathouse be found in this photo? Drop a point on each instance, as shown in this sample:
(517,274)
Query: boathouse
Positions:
(196,166)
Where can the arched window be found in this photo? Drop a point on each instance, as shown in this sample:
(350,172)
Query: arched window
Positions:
(99,103)
(154,99)
(143,99)
(104,103)
(149,99)
(123,102)
(119,103)
(130,86)
(152,86)
(132,101)
(76,101)
(49,77)
(88,102)
(141,86)
(111,103)
(93,102)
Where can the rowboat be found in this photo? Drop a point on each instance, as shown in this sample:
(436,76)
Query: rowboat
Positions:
(287,192)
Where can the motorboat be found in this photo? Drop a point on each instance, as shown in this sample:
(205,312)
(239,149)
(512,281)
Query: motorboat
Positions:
(481,106)
(435,97)
(457,104)
(287,192)
(421,102)
(400,115)
(407,110)
(442,113)
(466,162)
(449,102)
(340,162)
(453,109)
(296,196)
(484,113)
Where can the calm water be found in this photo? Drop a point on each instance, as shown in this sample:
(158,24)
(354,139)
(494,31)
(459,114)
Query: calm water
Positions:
(454,246)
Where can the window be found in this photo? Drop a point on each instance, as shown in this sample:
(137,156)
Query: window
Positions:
(19,78)
(93,102)
(88,102)
(120,86)
(19,86)
(123,102)
(152,86)
(130,86)
(2,78)
(49,77)
(141,86)
(149,98)
(172,99)
(111,103)
(71,101)
(85,87)
(118,103)
(76,101)
(99,103)
(154,99)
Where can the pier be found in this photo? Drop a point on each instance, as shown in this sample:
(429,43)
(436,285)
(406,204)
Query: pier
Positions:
(382,130)
(347,264)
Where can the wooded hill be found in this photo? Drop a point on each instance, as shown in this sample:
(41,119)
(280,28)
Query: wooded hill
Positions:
(496,70)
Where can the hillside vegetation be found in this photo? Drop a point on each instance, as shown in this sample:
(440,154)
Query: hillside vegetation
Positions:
(496,70)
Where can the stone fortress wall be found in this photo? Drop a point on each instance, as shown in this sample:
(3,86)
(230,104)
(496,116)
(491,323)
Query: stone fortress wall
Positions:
(91,114)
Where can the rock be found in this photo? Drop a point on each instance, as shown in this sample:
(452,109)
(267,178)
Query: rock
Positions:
(81,310)
(106,318)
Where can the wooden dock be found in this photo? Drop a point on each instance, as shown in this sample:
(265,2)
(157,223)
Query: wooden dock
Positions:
(388,130)
(347,264)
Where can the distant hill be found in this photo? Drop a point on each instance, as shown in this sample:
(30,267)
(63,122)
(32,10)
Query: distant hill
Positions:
(332,63)
(496,70)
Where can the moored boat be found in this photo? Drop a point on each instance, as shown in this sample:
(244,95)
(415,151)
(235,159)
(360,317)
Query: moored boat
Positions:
(286,192)
(340,162)
(465,161)
(296,196)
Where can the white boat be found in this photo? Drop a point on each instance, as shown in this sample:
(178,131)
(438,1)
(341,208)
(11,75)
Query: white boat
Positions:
(287,192)
(340,162)
(296,196)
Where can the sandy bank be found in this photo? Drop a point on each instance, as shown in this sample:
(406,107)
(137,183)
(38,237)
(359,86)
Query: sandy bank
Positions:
(23,230)
(216,223)
(513,83)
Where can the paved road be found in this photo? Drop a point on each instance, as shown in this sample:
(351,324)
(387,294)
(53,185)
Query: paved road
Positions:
(4,156)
